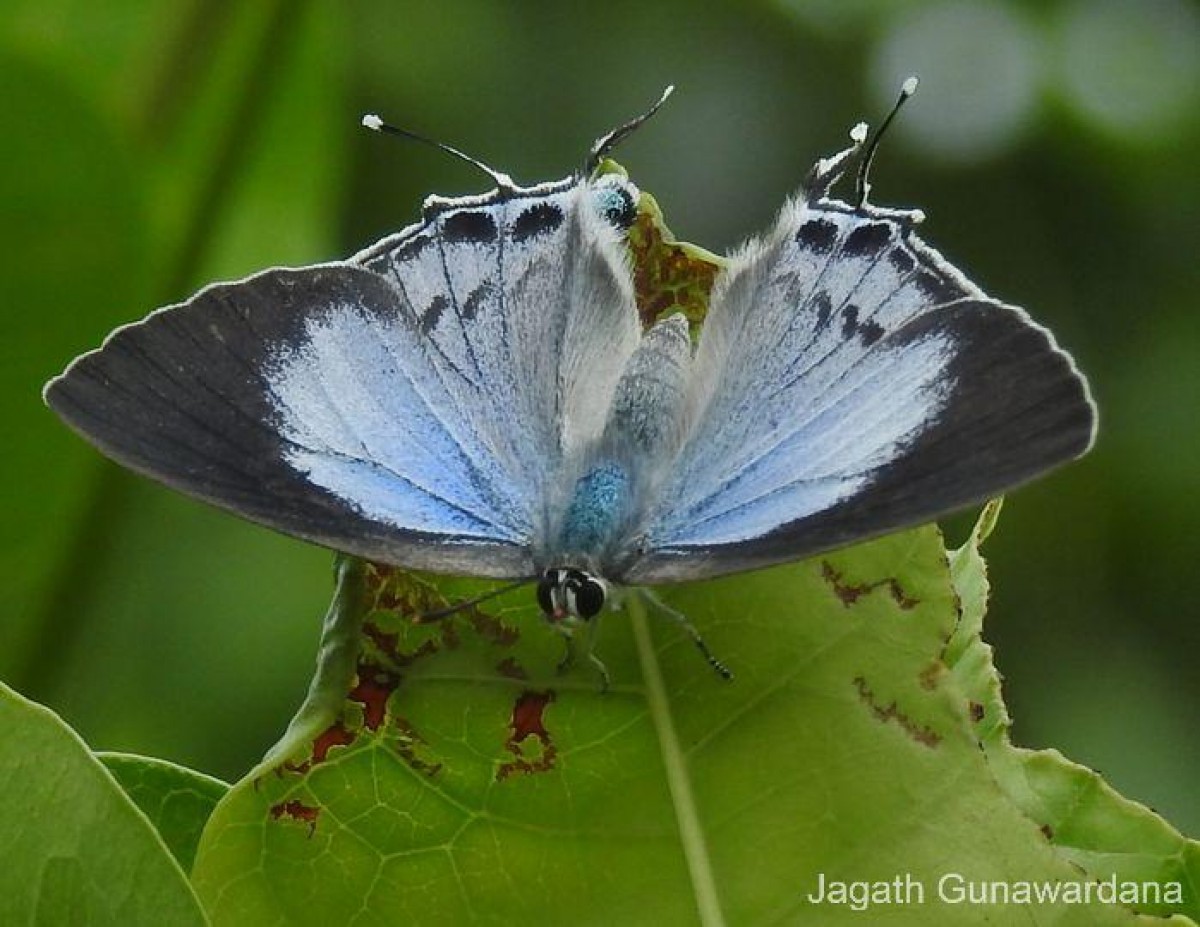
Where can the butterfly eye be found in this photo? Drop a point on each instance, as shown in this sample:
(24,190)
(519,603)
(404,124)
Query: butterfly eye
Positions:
(617,205)
(589,598)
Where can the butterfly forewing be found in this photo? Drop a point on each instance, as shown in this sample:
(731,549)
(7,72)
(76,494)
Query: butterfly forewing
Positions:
(407,406)
(851,382)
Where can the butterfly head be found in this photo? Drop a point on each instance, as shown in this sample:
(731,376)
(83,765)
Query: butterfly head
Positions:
(571,596)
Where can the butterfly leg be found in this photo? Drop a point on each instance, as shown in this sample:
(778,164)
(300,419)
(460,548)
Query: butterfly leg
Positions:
(568,659)
(571,654)
(605,679)
(682,620)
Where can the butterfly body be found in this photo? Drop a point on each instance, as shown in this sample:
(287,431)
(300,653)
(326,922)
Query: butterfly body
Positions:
(477,394)
(602,501)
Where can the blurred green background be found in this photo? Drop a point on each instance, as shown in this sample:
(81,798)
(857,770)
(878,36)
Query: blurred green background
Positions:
(151,147)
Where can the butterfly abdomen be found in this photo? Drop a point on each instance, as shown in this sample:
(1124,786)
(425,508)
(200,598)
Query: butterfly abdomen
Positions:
(645,418)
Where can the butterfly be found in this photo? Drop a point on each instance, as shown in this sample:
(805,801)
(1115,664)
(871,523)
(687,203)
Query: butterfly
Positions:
(476,394)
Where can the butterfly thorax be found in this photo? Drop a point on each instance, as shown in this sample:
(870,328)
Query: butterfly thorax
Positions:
(599,507)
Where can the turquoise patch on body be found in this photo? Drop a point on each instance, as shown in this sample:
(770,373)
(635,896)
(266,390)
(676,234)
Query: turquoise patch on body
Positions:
(597,509)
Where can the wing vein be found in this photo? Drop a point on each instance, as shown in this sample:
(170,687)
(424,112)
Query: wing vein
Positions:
(441,247)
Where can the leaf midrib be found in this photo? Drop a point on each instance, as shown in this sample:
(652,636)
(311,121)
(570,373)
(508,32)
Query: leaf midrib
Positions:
(679,783)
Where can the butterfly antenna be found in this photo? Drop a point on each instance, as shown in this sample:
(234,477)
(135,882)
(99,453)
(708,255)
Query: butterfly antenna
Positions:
(430,617)
(862,183)
(376,124)
(828,171)
(610,140)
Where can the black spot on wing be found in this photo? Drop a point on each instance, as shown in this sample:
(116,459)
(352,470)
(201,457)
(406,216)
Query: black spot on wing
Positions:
(475,299)
(411,249)
(538,219)
(817,235)
(469,226)
(936,288)
(433,312)
(869,331)
(824,307)
(867,239)
(902,260)
(849,321)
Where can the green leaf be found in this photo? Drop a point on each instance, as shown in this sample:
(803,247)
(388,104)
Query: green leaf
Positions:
(75,849)
(1094,827)
(175,799)
(442,772)
(462,779)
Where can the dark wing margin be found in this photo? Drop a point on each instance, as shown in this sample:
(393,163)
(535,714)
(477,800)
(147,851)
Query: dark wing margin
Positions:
(184,397)
(1010,403)
(1018,409)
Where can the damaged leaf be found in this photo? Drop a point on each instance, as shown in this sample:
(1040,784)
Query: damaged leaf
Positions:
(462,779)
(442,772)
(1105,835)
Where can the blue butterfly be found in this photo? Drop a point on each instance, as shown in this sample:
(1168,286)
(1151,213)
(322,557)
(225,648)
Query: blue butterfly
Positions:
(476,395)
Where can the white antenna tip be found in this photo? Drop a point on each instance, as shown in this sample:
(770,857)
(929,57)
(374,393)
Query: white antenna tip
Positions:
(909,87)
(858,134)
(373,122)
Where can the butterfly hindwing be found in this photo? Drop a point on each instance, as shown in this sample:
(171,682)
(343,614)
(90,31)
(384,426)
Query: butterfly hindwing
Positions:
(531,324)
(851,382)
